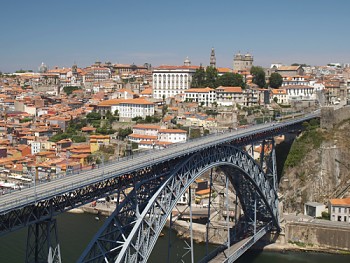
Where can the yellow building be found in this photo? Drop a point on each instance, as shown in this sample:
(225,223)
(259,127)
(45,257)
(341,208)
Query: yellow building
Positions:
(81,158)
(97,140)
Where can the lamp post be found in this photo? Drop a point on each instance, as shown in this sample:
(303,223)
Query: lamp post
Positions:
(103,164)
(67,160)
(34,181)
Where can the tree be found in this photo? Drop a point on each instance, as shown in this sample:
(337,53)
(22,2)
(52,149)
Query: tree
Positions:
(275,80)
(69,89)
(164,110)
(302,65)
(198,78)
(258,76)
(93,116)
(23,71)
(111,118)
(211,77)
(231,80)
(77,138)
(205,78)
(122,133)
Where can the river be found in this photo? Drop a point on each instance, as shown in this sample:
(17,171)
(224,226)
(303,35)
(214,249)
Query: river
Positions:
(76,230)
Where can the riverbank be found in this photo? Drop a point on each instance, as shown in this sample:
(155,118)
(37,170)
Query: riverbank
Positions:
(289,247)
(317,236)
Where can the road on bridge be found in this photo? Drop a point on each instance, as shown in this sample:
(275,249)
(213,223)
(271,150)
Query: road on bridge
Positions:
(45,191)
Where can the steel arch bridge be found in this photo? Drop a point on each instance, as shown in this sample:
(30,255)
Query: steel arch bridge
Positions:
(132,230)
(157,178)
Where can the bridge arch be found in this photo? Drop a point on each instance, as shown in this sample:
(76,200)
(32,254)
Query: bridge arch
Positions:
(134,241)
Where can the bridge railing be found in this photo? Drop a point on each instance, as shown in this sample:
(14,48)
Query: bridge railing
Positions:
(122,165)
(251,241)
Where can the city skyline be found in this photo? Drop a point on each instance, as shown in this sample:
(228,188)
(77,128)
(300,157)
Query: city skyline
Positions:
(158,33)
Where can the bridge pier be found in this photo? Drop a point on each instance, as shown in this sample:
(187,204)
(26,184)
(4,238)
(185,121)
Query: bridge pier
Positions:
(42,243)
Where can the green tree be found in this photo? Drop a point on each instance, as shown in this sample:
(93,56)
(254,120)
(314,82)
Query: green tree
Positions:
(231,80)
(258,76)
(110,117)
(69,89)
(275,80)
(77,138)
(302,65)
(93,116)
(122,133)
(211,77)
(198,78)
(137,119)
(23,71)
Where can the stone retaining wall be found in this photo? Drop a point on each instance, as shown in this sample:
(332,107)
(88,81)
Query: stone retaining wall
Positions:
(308,234)
(331,116)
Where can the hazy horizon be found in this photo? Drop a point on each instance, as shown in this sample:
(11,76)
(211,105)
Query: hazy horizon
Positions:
(158,32)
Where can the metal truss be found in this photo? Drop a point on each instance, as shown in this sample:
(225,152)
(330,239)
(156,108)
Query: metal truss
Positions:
(42,243)
(46,209)
(31,212)
(131,232)
(147,192)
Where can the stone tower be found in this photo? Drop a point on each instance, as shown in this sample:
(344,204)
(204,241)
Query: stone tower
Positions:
(212,58)
(242,62)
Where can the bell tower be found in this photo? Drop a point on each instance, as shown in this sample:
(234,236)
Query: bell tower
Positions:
(212,58)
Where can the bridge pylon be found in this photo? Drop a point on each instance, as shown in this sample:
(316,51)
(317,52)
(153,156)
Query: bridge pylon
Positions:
(42,243)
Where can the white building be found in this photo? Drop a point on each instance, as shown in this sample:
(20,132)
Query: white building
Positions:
(156,137)
(146,129)
(123,94)
(294,80)
(295,92)
(142,139)
(280,95)
(250,97)
(314,209)
(172,135)
(339,209)
(100,73)
(35,147)
(317,85)
(204,96)
(227,96)
(169,81)
(128,108)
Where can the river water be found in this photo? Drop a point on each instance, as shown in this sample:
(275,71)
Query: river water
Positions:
(76,230)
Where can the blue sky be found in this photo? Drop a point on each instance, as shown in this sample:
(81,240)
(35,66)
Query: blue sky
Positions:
(165,32)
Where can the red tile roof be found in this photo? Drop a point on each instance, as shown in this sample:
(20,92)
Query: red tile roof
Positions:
(341,202)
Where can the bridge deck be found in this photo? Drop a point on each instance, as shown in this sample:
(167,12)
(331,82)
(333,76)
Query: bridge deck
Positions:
(64,185)
(224,255)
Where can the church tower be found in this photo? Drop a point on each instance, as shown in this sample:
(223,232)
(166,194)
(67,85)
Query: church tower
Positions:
(212,58)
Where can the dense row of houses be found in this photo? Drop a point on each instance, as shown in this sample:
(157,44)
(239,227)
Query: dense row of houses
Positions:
(34,107)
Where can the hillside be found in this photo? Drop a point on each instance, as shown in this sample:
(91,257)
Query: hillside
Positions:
(317,167)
